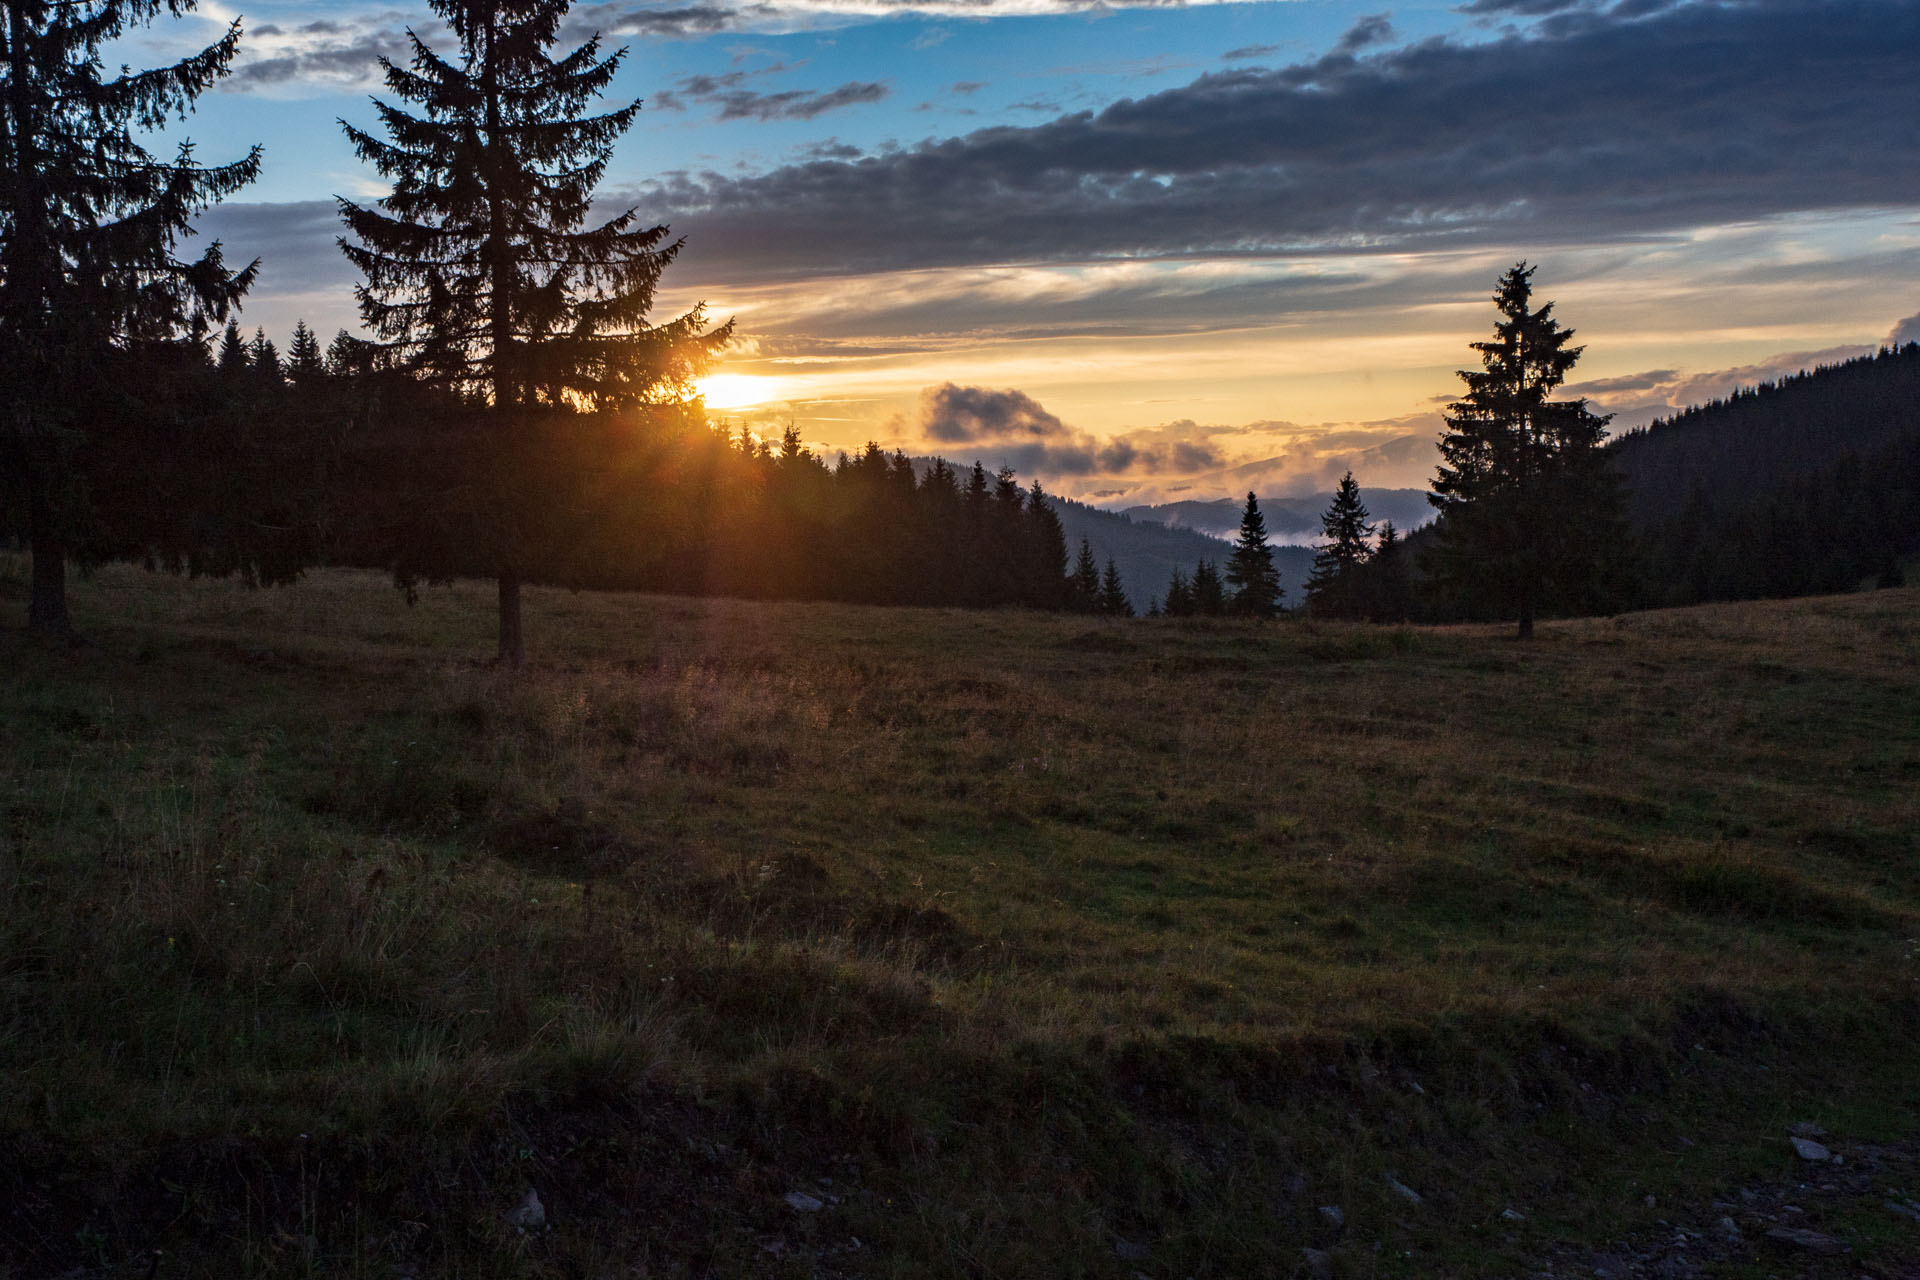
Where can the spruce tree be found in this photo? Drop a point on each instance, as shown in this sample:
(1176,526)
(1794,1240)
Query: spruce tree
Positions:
(1045,561)
(231,359)
(1530,511)
(263,360)
(1388,583)
(1250,571)
(481,275)
(1083,593)
(89,224)
(1179,595)
(1209,595)
(346,354)
(1333,585)
(1113,596)
(305,364)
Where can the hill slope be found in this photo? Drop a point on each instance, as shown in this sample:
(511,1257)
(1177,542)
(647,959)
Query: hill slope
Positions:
(1802,486)
(789,939)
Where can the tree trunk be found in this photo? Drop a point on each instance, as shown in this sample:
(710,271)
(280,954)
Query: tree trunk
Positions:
(1526,616)
(47,606)
(512,652)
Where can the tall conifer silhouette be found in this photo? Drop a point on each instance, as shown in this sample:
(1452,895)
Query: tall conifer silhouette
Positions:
(1256,583)
(1113,595)
(305,364)
(89,225)
(1529,506)
(1209,594)
(1083,587)
(480,273)
(1333,586)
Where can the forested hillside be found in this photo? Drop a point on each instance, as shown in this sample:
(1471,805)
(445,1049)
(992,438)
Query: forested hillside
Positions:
(1807,485)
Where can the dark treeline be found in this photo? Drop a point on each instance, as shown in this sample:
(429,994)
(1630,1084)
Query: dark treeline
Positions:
(209,466)
(1798,487)
(1802,486)
(646,498)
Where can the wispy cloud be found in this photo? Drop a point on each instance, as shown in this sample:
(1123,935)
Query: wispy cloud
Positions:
(735,101)
(1637,399)
(327,55)
(795,15)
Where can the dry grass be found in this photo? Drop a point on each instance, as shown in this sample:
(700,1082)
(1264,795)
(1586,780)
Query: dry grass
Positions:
(1033,933)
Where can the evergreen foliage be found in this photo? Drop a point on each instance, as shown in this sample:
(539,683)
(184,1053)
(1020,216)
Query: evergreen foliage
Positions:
(482,279)
(1333,588)
(1113,596)
(1386,584)
(233,358)
(94,302)
(1209,593)
(1809,484)
(1179,596)
(1530,511)
(1250,571)
(305,364)
(1044,564)
(703,511)
(263,359)
(1083,588)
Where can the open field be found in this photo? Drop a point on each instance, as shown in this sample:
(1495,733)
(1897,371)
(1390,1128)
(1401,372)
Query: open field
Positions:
(1025,945)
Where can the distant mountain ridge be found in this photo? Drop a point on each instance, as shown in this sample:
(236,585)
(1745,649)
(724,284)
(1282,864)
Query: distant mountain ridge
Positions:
(1146,552)
(1289,520)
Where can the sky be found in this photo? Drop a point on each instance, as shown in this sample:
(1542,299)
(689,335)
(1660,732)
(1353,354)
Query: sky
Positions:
(1158,250)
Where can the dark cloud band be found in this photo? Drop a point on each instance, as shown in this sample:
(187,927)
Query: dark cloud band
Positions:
(1611,127)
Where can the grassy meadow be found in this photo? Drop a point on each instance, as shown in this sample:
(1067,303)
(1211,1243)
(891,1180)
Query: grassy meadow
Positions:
(1016,944)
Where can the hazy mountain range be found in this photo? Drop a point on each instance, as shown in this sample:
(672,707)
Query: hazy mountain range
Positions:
(1147,551)
(1289,520)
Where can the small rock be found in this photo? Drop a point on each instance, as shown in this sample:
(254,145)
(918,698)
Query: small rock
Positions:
(1318,1261)
(1811,1241)
(1648,1201)
(1401,1188)
(801,1202)
(1808,1149)
(1729,1228)
(1904,1210)
(1513,1215)
(1332,1213)
(529,1214)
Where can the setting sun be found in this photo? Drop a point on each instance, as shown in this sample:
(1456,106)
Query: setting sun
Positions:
(736,390)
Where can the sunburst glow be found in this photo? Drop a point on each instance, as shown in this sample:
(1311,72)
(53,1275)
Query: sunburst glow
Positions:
(736,390)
